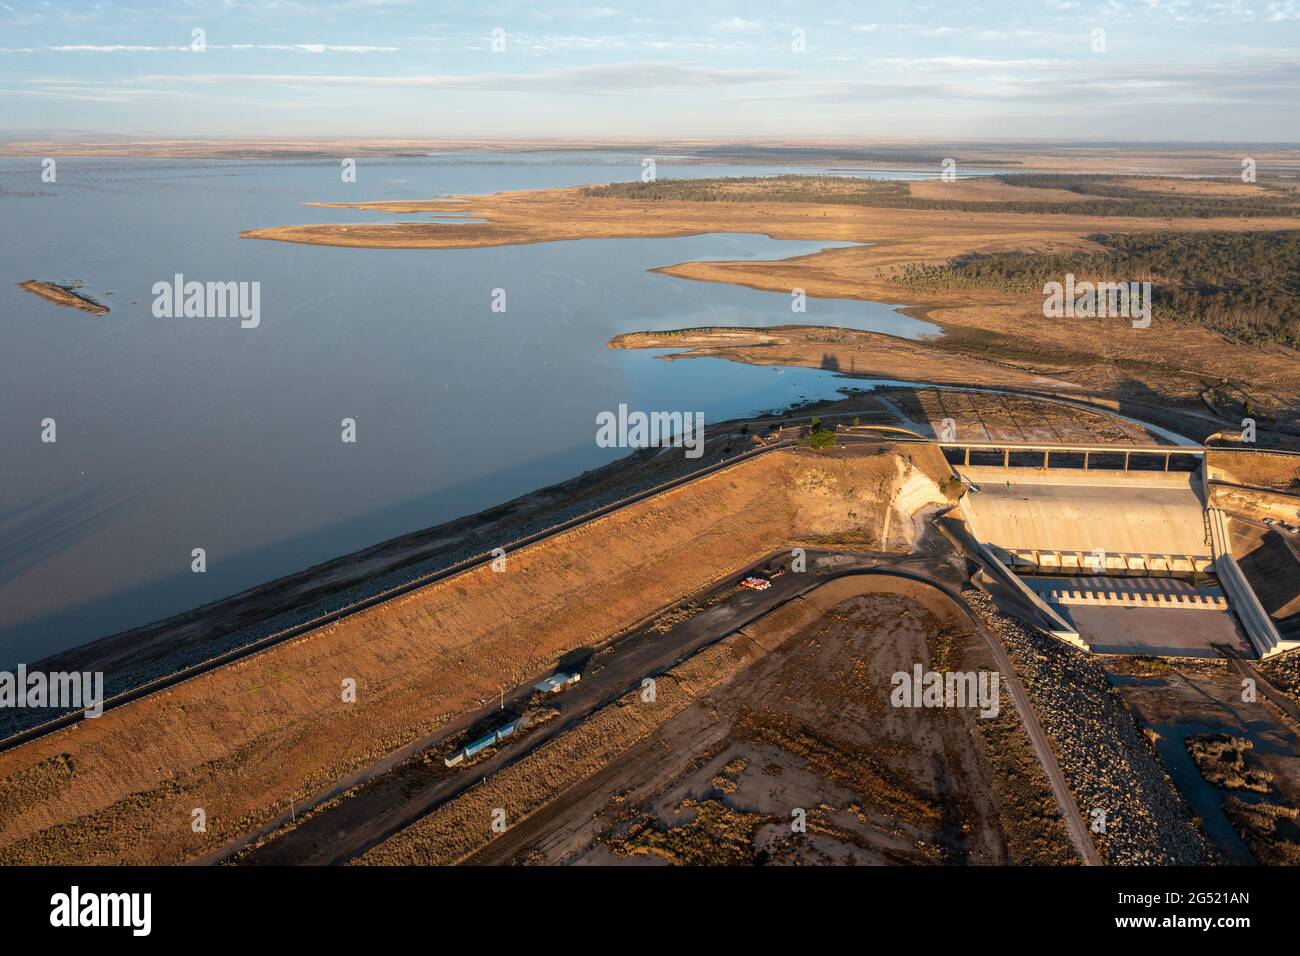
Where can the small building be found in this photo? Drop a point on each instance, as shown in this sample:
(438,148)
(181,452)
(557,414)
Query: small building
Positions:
(557,682)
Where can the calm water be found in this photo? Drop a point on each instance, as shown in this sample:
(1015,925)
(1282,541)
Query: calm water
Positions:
(182,433)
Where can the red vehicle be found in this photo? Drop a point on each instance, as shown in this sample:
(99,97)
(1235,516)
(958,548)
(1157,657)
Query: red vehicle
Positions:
(756,583)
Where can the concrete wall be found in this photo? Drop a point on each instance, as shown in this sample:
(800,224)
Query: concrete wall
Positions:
(1028,510)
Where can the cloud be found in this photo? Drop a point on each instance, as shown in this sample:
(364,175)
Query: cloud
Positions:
(114,48)
(309,48)
(740,25)
(1266,82)
(314,48)
(619,77)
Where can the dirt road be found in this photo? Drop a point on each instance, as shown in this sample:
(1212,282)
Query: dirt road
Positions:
(392,800)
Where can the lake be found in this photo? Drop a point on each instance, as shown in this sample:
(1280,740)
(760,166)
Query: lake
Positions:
(183,433)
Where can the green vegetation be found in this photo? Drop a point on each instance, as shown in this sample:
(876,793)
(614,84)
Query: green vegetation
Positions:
(788,188)
(821,435)
(1110,196)
(1244,284)
(1104,195)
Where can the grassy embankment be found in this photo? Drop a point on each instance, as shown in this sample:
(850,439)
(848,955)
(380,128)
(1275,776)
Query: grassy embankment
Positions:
(242,741)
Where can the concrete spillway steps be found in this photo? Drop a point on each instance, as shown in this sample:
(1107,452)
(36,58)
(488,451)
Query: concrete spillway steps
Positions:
(1049,562)
(1194,602)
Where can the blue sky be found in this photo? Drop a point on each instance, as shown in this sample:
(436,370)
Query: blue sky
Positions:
(1023,69)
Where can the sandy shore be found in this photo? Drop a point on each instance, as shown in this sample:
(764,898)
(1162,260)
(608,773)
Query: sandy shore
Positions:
(64,296)
(989,337)
(853,352)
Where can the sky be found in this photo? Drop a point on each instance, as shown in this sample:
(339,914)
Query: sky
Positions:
(1189,70)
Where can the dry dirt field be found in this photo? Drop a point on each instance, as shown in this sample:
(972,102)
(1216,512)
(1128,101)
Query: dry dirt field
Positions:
(242,741)
(803,722)
(1256,505)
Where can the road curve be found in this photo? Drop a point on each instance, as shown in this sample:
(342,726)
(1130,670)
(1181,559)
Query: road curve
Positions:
(1069,808)
(391,820)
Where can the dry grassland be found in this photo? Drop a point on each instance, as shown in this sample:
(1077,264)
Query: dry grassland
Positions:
(1261,469)
(1224,761)
(463,826)
(1271,831)
(241,741)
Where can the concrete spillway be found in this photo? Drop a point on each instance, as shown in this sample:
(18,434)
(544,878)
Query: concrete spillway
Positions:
(1259,625)
(1089,530)
(1140,523)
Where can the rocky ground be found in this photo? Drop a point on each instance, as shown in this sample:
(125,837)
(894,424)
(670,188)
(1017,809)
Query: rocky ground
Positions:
(1284,671)
(1109,762)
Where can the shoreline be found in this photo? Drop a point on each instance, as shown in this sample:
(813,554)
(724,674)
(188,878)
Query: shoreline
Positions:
(989,355)
(163,647)
(921,154)
(63,295)
(998,335)
(146,652)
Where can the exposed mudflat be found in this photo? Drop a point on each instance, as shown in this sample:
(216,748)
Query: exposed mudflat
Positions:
(64,295)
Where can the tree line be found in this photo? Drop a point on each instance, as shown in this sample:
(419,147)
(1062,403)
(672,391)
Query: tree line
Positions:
(1245,284)
(1103,195)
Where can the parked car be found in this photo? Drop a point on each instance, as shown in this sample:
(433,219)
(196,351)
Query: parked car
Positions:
(1270,521)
